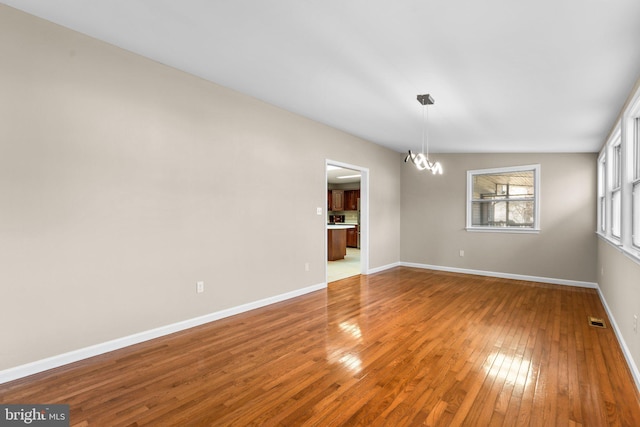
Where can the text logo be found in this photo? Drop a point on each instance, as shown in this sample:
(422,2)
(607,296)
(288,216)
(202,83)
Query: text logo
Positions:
(34,415)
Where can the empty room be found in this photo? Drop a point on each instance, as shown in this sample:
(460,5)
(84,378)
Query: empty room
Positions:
(179,180)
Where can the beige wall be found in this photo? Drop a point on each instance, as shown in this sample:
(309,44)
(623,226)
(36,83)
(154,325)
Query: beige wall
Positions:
(433,219)
(619,281)
(123,182)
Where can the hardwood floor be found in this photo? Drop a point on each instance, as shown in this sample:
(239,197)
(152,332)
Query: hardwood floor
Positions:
(401,347)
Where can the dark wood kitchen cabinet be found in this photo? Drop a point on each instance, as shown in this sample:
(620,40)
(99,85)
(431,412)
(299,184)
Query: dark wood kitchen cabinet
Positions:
(351,200)
(343,200)
(337,200)
(352,237)
(336,244)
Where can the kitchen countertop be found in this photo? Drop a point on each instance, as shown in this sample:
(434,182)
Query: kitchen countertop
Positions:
(340,226)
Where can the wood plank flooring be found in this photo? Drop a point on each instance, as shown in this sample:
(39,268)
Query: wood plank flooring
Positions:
(399,348)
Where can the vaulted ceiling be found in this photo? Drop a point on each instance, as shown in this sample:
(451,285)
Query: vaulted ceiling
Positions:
(506,76)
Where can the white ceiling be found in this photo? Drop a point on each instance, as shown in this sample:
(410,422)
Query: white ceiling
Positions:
(507,76)
(340,175)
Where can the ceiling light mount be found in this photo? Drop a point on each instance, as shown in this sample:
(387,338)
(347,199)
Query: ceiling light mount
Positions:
(421,160)
(426,99)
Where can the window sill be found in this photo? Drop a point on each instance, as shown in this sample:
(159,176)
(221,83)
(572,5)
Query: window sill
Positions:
(610,240)
(504,230)
(631,253)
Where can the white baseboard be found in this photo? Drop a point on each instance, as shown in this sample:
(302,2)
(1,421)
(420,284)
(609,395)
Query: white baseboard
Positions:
(384,267)
(95,350)
(625,350)
(504,275)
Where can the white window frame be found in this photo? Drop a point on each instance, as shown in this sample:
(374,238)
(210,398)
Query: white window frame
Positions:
(602,193)
(626,135)
(607,181)
(507,229)
(635,181)
(615,187)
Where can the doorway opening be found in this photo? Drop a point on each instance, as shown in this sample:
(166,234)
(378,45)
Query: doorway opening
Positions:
(346,238)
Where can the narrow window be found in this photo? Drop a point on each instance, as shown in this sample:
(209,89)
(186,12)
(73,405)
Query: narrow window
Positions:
(602,204)
(635,195)
(616,195)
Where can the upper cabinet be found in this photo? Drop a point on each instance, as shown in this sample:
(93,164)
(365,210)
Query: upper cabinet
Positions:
(337,200)
(351,200)
(343,200)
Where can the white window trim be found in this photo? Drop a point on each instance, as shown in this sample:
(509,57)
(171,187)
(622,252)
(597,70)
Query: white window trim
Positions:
(616,182)
(634,184)
(602,193)
(608,154)
(632,121)
(536,204)
(624,131)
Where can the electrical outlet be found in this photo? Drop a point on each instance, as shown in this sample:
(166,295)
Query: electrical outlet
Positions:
(306,266)
(319,211)
(635,323)
(200,287)
(461,252)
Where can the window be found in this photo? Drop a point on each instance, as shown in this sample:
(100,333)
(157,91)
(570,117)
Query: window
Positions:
(616,184)
(635,204)
(636,148)
(619,183)
(504,199)
(602,203)
(610,187)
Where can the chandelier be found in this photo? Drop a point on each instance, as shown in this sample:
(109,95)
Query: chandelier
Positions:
(421,160)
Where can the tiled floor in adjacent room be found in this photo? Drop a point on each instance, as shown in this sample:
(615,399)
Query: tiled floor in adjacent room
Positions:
(347,267)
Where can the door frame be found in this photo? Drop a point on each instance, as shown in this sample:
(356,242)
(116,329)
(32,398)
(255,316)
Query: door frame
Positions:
(364,214)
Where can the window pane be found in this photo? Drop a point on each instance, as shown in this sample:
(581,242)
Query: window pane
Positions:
(636,148)
(508,185)
(615,213)
(602,167)
(636,215)
(616,166)
(603,214)
(503,213)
